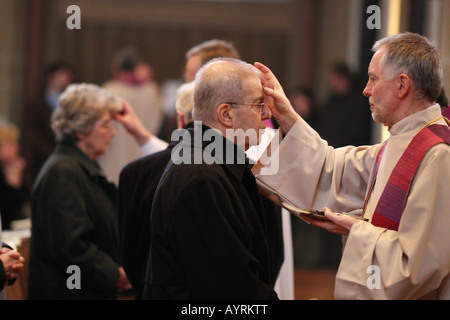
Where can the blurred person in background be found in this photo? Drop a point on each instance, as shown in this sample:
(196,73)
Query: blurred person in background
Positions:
(198,55)
(195,58)
(13,193)
(137,185)
(303,103)
(133,81)
(38,139)
(74,206)
(343,120)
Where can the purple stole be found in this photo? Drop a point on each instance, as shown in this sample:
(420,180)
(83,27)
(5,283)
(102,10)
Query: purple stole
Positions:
(390,206)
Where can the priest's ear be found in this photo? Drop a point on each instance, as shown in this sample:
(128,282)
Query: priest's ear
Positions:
(403,85)
(225,115)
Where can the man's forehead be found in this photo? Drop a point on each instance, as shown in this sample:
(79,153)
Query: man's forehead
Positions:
(375,62)
(253,85)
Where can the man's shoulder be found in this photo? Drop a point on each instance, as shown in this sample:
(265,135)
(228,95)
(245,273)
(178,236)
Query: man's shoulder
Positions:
(147,163)
(186,175)
(439,151)
(60,164)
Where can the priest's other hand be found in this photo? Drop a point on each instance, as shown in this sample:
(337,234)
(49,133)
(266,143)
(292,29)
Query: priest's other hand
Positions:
(336,223)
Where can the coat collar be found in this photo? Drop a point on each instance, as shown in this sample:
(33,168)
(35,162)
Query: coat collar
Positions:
(230,156)
(70,149)
(416,121)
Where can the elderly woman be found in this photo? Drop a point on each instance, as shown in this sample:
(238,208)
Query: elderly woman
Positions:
(74,250)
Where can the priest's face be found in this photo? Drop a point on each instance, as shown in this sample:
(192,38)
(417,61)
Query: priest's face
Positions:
(381,93)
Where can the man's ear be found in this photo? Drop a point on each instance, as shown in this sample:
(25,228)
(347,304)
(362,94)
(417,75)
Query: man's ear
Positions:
(404,85)
(180,121)
(225,115)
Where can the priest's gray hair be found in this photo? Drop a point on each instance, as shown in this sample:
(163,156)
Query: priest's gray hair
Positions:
(220,81)
(414,55)
(79,107)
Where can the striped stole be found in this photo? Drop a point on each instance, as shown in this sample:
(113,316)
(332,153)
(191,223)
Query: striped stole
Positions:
(393,199)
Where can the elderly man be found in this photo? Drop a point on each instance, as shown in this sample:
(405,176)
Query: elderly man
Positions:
(401,186)
(208,227)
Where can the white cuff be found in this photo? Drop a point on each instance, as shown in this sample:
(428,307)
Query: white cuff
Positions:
(153,145)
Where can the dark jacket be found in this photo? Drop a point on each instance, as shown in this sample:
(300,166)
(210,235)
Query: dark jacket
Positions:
(208,229)
(137,185)
(74,222)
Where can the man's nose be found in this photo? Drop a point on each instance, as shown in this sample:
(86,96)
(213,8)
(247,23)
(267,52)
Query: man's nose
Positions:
(367,92)
(113,131)
(266,114)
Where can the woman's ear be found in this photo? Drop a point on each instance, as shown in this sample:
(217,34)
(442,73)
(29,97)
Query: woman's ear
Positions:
(80,135)
(225,115)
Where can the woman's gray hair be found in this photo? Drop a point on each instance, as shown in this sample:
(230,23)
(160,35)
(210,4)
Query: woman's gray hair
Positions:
(220,81)
(416,56)
(79,107)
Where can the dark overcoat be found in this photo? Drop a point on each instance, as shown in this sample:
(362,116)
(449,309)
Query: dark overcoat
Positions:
(137,184)
(209,237)
(74,223)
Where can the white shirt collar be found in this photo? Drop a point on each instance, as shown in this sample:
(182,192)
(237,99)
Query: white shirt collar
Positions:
(417,120)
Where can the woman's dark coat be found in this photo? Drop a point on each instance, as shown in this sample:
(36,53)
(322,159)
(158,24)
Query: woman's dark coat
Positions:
(74,223)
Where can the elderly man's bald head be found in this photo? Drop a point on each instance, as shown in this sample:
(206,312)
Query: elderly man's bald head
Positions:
(220,81)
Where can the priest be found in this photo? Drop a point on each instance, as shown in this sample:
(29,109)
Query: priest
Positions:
(401,249)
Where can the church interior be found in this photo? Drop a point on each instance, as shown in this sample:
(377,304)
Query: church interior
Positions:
(301,40)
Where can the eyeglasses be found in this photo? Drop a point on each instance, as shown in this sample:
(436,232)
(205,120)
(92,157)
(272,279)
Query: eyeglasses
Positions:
(256,104)
(105,124)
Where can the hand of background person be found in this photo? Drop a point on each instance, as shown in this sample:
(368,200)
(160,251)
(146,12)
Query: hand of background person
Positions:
(131,122)
(13,263)
(336,223)
(123,283)
(276,99)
